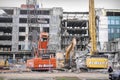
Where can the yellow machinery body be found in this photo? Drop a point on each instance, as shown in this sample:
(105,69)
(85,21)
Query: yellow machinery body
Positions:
(97,62)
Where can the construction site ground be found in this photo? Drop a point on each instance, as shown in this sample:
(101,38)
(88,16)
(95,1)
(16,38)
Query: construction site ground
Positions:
(54,76)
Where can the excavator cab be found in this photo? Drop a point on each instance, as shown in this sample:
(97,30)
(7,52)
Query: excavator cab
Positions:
(43,42)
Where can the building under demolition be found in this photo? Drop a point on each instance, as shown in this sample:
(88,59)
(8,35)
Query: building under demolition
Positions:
(18,26)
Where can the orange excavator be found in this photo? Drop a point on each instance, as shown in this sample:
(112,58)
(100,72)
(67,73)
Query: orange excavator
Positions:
(44,59)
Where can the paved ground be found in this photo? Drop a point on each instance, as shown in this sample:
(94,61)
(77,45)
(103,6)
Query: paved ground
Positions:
(50,76)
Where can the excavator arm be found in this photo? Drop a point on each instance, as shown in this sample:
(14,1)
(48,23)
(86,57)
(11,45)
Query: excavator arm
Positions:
(69,49)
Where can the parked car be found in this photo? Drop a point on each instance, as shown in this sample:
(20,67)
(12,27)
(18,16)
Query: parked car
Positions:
(115,75)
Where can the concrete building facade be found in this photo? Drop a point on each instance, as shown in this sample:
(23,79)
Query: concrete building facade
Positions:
(15,31)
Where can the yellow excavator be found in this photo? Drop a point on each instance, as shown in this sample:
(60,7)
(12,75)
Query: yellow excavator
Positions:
(69,52)
(95,60)
(64,59)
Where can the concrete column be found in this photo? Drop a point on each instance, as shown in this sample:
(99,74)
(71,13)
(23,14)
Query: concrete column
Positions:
(26,38)
(15,31)
(66,24)
(55,24)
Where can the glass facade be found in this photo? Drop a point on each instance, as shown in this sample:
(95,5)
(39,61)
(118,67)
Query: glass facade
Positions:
(113,27)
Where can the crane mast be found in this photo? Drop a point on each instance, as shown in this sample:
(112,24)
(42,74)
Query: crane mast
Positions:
(92,27)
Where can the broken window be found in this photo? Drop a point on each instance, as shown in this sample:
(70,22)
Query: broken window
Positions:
(5,33)
(77,23)
(39,20)
(21,38)
(6,20)
(34,28)
(33,20)
(46,29)
(19,47)
(43,12)
(9,11)
(23,20)
(6,37)
(113,13)
(6,30)
(43,21)
(34,12)
(21,29)
(23,11)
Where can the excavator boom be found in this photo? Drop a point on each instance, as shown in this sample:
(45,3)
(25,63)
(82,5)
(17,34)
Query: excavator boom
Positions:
(69,49)
(92,27)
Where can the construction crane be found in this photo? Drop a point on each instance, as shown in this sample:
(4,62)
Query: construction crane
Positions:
(95,60)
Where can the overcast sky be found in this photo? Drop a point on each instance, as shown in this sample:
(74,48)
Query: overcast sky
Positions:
(67,5)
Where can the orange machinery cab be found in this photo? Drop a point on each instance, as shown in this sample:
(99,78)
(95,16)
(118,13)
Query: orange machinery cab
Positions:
(46,60)
(43,41)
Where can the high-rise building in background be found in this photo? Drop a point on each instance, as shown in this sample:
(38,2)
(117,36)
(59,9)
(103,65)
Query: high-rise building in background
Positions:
(108,26)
